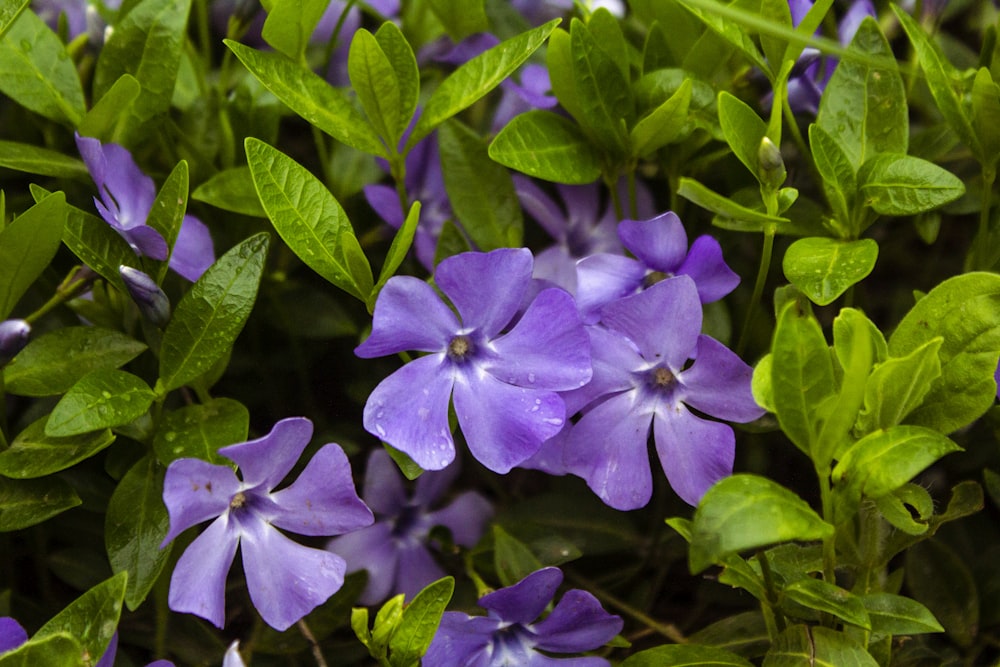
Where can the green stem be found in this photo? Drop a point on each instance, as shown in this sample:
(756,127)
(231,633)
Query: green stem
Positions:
(322,153)
(313,644)
(989,177)
(829,543)
(758,288)
(668,630)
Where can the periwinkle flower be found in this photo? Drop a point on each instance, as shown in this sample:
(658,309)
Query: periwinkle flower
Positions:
(503,384)
(126,199)
(12,634)
(510,633)
(642,381)
(152,302)
(14,336)
(285,579)
(394,549)
(661,251)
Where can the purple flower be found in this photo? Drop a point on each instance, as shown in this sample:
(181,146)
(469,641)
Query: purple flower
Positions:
(661,251)
(126,199)
(286,580)
(642,380)
(12,634)
(509,635)
(152,301)
(394,549)
(504,384)
(14,335)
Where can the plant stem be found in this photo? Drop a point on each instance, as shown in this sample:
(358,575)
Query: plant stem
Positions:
(313,644)
(668,630)
(758,288)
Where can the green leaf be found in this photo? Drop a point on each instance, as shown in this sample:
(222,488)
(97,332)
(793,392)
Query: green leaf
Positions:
(904,185)
(548,146)
(9,11)
(35,454)
(420,622)
(309,219)
(732,32)
(681,655)
(480,191)
(37,73)
(92,618)
(56,650)
(451,242)
(147,44)
(43,161)
(940,579)
(605,97)
(460,18)
(386,621)
(55,361)
(134,528)
(850,328)
(763,391)
(898,385)
(743,129)
(839,175)
(198,431)
(559,60)
(985,111)
(663,124)
(512,558)
(328,108)
(897,615)
(726,208)
(909,508)
(168,210)
(231,190)
(27,245)
(211,314)
(864,104)
(965,310)
(100,399)
(106,119)
(400,245)
(26,502)
(824,268)
(802,645)
(407,75)
(290,24)
(801,375)
(475,78)
(606,29)
(373,79)
(97,245)
(746,512)
(829,599)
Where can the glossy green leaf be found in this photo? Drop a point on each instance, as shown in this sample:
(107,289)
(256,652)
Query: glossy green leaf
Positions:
(290,24)
(231,190)
(451,242)
(985,111)
(904,185)
(746,512)
(726,208)
(941,580)
(420,622)
(407,76)
(480,191)
(606,105)
(849,326)
(328,108)
(27,245)
(400,245)
(763,390)
(679,28)
(55,361)
(386,621)
(898,615)
(309,219)
(606,29)
(965,311)
(169,208)
(864,104)
(93,617)
(55,650)
(32,453)
(460,18)
(211,314)
(801,375)
(97,245)
(373,79)
(899,385)
(681,655)
(732,32)
(774,46)
(37,73)
(106,118)
(26,502)
(472,80)
(99,400)
(559,60)
(663,124)
(743,129)
(802,645)
(147,44)
(198,431)
(9,11)
(828,599)
(807,28)
(744,634)
(909,508)
(824,268)
(135,526)
(39,160)
(839,175)
(548,146)
(512,558)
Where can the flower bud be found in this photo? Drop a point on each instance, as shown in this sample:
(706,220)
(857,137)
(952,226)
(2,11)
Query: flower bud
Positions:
(13,337)
(770,165)
(151,300)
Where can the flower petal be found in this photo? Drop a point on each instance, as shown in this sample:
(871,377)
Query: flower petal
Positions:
(709,270)
(526,600)
(12,634)
(660,243)
(385,200)
(603,278)
(193,251)
(264,462)
(718,383)
(417,569)
(196,491)
(465,517)
(547,349)
(539,205)
(146,241)
(578,623)
(486,288)
(504,424)
(372,549)
(615,360)
(409,315)
(126,192)
(198,584)
(383,488)
(460,640)
(322,500)
(607,448)
(232,657)
(286,580)
(695,453)
(409,410)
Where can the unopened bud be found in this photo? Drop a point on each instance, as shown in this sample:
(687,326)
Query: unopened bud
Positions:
(151,300)
(14,336)
(770,165)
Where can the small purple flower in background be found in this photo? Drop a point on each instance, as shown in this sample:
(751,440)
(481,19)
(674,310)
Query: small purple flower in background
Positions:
(642,380)
(286,580)
(509,635)
(661,250)
(81,17)
(394,549)
(504,384)
(126,199)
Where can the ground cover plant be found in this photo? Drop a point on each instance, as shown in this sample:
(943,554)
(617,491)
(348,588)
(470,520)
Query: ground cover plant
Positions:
(400,332)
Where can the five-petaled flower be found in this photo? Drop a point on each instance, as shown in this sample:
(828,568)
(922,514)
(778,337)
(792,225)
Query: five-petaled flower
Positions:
(504,384)
(509,635)
(285,580)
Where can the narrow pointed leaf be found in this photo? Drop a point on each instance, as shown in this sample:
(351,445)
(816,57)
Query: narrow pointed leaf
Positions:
(548,146)
(899,385)
(898,615)
(26,502)
(680,655)
(829,599)
(55,650)
(407,76)
(604,94)
(374,81)
(33,159)
(231,190)
(400,245)
(663,124)
(291,23)
(33,454)
(169,208)
(106,118)
(27,245)
(421,618)
(743,128)
(93,617)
